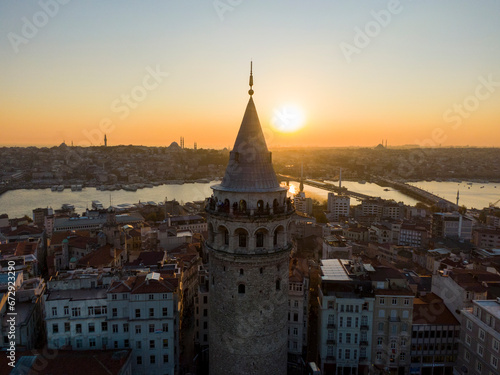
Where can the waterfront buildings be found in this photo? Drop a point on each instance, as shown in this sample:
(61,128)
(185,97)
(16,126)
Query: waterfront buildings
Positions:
(453,225)
(338,207)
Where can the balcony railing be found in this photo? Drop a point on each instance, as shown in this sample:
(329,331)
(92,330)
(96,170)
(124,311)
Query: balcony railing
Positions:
(363,343)
(331,342)
(331,325)
(364,327)
(330,358)
(394,319)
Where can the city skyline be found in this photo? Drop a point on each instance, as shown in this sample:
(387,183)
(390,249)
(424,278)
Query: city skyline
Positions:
(326,75)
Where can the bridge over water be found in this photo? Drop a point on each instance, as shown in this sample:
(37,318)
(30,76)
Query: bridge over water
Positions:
(409,190)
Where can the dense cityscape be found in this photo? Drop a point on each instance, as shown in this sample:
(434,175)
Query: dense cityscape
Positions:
(374,285)
(233,187)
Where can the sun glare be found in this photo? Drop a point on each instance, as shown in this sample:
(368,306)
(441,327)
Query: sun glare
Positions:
(292,189)
(288,118)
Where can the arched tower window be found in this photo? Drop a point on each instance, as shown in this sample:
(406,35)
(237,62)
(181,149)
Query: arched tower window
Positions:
(278,284)
(260,239)
(241,271)
(242,237)
(241,288)
(243,206)
(223,235)
(260,206)
(278,236)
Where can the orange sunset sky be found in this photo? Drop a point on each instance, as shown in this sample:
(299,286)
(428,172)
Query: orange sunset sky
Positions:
(326,74)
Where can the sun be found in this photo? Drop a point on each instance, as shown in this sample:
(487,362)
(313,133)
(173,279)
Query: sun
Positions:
(288,118)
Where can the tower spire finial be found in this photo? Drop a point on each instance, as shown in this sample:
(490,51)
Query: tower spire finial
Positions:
(250,92)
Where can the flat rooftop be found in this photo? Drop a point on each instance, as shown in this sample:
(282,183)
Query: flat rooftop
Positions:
(333,270)
(492,306)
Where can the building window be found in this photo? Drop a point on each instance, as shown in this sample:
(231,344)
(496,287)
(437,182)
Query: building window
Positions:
(138,344)
(54,311)
(347,354)
(139,360)
(394,301)
(260,239)
(151,328)
(480,350)
(467,356)
(164,327)
(467,340)
(479,367)
(278,284)
(113,296)
(125,327)
(165,343)
(151,297)
(382,301)
(115,328)
(164,311)
(91,327)
(92,342)
(381,326)
(481,334)
(79,343)
(496,345)
(55,328)
(151,313)
(137,329)
(67,327)
(151,344)
(494,362)
(66,310)
(380,341)
(137,313)
(241,288)
(165,358)
(402,356)
(114,312)
(347,338)
(78,328)
(349,322)
(75,312)
(406,301)
(469,325)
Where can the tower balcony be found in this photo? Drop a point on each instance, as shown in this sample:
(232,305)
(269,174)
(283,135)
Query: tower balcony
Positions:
(237,212)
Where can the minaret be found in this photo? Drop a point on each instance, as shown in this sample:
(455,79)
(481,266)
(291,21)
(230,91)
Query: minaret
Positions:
(105,141)
(301,186)
(249,248)
(458,196)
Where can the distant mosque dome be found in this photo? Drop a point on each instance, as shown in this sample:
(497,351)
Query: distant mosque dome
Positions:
(174,146)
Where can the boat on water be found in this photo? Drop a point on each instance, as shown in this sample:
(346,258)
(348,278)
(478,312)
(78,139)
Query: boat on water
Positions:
(60,188)
(54,188)
(97,205)
(129,188)
(76,187)
(362,182)
(387,190)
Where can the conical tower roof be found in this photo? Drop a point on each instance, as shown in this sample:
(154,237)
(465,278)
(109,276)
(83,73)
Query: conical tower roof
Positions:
(250,167)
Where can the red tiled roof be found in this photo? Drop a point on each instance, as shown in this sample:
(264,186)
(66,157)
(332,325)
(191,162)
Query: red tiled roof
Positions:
(8,248)
(25,248)
(99,258)
(431,310)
